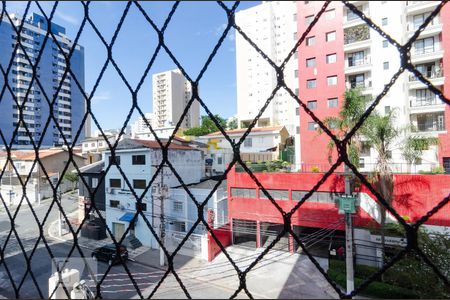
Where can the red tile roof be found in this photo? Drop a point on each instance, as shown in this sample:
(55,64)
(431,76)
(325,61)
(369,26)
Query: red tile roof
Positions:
(155,145)
(256,129)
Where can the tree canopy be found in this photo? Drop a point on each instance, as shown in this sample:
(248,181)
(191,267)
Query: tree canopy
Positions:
(207,126)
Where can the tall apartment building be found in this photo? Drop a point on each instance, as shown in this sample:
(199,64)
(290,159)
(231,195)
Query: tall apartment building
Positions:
(69,106)
(342,52)
(171,93)
(140,126)
(273,27)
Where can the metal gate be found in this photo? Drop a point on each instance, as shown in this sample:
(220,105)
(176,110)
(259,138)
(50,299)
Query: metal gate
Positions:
(244,233)
(269,232)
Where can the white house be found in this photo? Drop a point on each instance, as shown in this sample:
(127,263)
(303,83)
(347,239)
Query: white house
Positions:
(262,144)
(138,159)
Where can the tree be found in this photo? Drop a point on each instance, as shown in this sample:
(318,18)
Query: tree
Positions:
(232,124)
(207,126)
(381,133)
(73,178)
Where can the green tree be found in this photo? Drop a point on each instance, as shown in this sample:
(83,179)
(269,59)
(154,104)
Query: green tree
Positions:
(207,126)
(232,124)
(381,133)
(73,178)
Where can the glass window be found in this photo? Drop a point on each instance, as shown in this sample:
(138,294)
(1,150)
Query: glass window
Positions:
(296,73)
(331,36)
(331,58)
(357,80)
(332,80)
(143,206)
(138,159)
(139,183)
(297,111)
(298,195)
(311,83)
(297,129)
(356,59)
(385,43)
(423,46)
(384,21)
(386,65)
(419,19)
(94,182)
(177,206)
(330,14)
(244,193)
(114,203)
(310,41)
(248,142)
(115,183)
(311,62)
(351,15)
(295,36)
(275,194)
(311,126)
(114,162)
(309,19)
(312,104)
(332,102)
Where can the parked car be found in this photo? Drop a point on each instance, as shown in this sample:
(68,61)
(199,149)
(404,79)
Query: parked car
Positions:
(108,254)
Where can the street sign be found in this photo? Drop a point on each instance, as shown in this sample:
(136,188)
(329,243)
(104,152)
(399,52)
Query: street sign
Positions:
(347,205)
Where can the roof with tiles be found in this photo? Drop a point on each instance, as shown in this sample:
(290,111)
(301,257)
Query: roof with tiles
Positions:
(254,130)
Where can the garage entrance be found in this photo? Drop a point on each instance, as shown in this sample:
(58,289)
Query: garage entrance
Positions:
(244,233)
(269,231)
(318,241)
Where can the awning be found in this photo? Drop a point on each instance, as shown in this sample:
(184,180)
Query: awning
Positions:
(127,217)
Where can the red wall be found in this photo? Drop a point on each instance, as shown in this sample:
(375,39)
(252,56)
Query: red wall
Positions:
(223,234)
(414,196)
(445,138)
(309,155)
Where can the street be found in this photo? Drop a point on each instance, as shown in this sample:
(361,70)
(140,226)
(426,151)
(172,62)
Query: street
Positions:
(297,277)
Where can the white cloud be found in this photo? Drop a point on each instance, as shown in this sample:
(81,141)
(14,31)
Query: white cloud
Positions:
(101,96)
(67,18)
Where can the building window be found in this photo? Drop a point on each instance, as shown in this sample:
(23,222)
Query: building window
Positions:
(114,203)
(244,193)
(296,73)
(387,109)
(423,46)
(275,194)
(114,162)
(248,142)
(308,19)
(178,206)
(297,129)
(357,81)
(295,36)
(142,206)
(295,55)
(310,41)
(351,15)
(138,159)
(311,126)
(219,160)
(312,104)
(86,145)
(324,197)
(331,36)
(365,149)
(332,102)
(94,182)
(330,14)
(310,62)
(311,83)
(179,226)
(297,111)
(296,92)
(386,65)
(115,183)
(139,183)
(384,21)
(331,58)
(332,80)
(385,43)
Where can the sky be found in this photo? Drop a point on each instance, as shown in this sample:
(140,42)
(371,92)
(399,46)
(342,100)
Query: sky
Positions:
(191,36)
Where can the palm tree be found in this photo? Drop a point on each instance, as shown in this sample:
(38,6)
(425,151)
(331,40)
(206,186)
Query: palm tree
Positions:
(380,133)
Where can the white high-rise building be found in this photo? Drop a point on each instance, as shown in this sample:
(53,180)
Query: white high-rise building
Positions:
(171,93)
(140,126)
(273,27)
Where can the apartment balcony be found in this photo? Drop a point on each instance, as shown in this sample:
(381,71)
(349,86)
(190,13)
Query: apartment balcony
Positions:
(352,19)
(428,54)
(365,87)
(358,66)
(416,7)
(435,77)
(357,38)
(426,105)
(433,28)
(430,123)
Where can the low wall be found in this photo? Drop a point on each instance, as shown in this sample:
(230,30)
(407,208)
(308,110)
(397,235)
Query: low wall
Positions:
(223,234)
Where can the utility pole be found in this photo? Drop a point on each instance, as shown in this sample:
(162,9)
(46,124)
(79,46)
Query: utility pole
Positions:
(59,198)
(162,194)
(349,235)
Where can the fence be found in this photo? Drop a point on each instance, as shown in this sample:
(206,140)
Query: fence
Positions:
(187,240)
